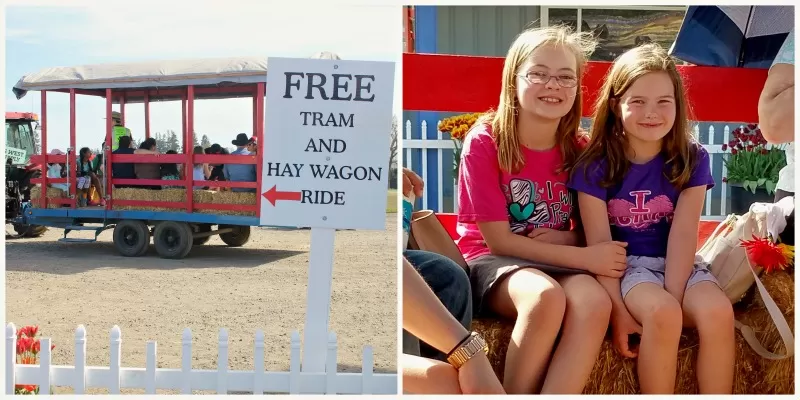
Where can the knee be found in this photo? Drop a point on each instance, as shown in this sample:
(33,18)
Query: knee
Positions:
(589,303)
(545,306)
(714,318)
(665,317)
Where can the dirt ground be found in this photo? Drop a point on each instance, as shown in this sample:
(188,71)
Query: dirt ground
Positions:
(259,286)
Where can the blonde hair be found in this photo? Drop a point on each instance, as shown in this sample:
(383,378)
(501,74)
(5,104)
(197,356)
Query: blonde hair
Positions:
(504,120)
(607,139)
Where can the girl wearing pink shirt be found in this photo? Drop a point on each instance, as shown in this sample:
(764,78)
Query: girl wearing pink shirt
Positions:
(518,222)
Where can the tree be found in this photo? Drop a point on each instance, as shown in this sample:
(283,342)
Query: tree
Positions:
(161,142)
(195,143)
(205,142)
(172,141)
(393,143)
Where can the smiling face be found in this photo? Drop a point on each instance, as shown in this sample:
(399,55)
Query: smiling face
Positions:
(648,107)
(548,100)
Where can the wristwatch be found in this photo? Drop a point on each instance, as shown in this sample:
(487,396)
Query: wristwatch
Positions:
(467,349)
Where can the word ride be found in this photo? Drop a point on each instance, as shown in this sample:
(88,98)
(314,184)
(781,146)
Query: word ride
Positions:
(322,197)
(338,86)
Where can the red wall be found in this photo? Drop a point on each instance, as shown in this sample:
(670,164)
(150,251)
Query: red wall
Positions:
(447,83)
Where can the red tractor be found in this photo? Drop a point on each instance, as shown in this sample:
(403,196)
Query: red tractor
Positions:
(21,131)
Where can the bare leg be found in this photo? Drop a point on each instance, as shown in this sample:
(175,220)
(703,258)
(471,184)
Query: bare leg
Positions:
(706,308)
(585,325)
(426,376)
(537,303)
(660,316)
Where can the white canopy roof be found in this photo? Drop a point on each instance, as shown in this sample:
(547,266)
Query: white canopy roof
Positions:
(214,72)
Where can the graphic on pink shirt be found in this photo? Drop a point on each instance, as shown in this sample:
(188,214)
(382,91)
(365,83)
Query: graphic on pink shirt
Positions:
(642,214)
(531,206)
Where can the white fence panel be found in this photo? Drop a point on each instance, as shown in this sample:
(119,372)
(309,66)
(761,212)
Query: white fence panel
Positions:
(222,380)
(716,204)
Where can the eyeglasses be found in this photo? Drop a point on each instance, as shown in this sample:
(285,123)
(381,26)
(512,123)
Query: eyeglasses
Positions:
(565,81)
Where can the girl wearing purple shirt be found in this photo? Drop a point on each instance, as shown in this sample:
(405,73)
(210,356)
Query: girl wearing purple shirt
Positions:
(642,181)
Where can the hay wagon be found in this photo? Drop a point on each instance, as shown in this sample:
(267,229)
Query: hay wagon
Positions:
(175,219)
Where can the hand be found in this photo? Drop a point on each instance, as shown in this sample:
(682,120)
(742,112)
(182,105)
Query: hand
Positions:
(606,259)
(412,181)
(552,236)
(622,325)
(477,377)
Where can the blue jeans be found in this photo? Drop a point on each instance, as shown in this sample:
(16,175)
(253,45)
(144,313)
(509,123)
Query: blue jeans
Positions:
(450,284)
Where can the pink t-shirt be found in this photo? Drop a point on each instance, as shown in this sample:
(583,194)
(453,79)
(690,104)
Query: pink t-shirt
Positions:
(536,197)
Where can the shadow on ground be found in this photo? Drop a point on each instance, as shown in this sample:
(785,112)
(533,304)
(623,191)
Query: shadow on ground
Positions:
(59,258)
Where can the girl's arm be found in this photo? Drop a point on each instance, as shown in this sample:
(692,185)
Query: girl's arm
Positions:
(682,242)
(502,242)
(597,230)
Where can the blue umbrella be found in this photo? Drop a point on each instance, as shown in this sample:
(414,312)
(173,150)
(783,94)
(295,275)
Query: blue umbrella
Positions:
(733,36)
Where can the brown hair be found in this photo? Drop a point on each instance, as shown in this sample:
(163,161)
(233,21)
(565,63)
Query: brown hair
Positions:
(607,137)
(504,120)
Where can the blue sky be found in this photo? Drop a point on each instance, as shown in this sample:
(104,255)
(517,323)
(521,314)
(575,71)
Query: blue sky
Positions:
(39,37)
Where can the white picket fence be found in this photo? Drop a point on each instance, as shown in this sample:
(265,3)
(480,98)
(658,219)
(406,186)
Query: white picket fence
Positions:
(716,204)
(258,381)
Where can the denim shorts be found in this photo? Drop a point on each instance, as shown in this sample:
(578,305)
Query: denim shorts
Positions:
(651,269)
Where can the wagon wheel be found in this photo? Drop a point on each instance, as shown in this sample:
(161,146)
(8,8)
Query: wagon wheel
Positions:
(173,239)
(132,238)
(237,237)
(202,228)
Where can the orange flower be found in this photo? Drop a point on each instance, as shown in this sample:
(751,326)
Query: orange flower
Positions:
(764,253)
(458,125)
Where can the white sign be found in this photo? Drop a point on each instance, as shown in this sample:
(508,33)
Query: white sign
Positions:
(16,155)
(326,143)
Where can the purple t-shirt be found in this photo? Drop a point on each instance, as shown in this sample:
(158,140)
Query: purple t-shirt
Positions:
(641,207)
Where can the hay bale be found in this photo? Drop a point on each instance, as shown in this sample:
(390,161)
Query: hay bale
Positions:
(52,193)
(179,195)
(226,197)
(169,195)
(614,374)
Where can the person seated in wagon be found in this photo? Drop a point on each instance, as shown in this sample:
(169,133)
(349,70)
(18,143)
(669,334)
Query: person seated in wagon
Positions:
(241,172)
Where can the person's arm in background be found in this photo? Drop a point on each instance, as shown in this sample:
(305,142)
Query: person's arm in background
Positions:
(425,317)
(145,151)
(412,182)
(776,104)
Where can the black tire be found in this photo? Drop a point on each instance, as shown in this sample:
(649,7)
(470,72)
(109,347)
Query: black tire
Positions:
(173,239)
(202,228)
(30,231)
(238,237)
(131,238)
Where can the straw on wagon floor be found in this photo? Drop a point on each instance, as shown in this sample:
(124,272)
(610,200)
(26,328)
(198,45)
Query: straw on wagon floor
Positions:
(614,374)
(166,195)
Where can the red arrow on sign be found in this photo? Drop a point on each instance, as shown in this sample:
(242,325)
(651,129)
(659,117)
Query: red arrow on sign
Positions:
(273,195)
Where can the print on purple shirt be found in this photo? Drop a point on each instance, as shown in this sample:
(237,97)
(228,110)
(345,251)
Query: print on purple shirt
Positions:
(641,207)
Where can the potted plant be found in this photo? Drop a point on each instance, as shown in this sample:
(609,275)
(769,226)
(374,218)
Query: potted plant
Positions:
(458,126)
(753,167)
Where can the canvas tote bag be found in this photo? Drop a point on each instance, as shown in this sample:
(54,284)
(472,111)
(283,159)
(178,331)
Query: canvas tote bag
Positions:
(729,263)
